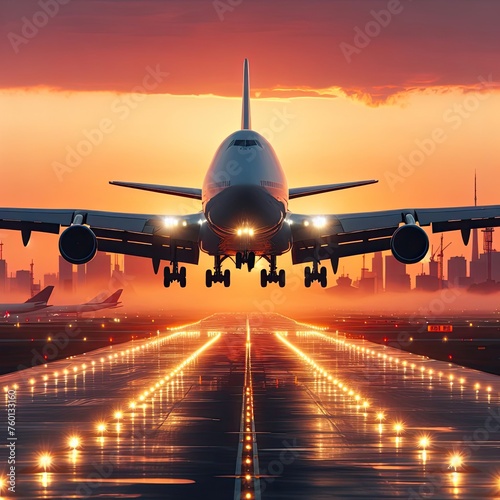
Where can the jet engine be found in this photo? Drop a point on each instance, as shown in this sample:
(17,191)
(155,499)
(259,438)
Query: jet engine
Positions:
(78,244)
(409,243)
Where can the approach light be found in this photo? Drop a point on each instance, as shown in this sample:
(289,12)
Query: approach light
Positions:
(74,442)
(456,461)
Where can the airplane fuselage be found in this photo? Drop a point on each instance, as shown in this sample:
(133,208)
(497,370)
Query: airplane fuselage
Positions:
(245,198)
(8,309)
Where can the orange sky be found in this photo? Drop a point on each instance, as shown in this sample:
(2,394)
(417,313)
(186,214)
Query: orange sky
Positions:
(444,79)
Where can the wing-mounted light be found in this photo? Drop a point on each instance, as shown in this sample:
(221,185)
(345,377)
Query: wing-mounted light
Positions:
(409,243)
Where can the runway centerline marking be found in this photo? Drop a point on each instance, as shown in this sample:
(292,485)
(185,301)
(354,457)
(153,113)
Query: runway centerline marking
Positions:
(247,483)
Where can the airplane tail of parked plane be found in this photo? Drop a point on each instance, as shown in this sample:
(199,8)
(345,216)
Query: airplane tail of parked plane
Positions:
(42,296)
(113,299)
(102,299)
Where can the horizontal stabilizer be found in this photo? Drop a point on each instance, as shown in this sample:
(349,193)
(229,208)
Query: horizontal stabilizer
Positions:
(42,296)
(325,188)
(186,192)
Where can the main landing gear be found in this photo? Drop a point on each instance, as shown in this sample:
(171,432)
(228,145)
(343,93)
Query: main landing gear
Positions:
(315,275)
(273,276)
(247,258)
(217,276)
(175,274)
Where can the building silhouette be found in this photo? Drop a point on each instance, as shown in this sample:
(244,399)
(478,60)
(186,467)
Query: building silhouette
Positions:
(22,282)
(65,275)
(49,279)
(479,268)
(3,275)
(378,271)
(138,271)
(426,283)
(457,271)
(99,270)
(396,278)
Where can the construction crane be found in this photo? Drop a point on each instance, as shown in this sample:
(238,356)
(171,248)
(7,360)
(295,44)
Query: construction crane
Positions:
(441,261)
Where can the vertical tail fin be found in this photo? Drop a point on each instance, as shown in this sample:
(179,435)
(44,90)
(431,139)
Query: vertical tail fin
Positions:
(42,296)
(245,112)
(113,299)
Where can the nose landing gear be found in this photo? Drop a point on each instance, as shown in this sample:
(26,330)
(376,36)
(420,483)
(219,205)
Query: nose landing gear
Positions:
(245,258)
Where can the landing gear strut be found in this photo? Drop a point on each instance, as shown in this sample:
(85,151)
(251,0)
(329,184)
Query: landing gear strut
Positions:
(245,257)
(273,276)
(174,274)
(311,275)
(217,276)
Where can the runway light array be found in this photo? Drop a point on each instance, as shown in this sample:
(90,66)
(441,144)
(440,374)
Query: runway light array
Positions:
(150,390)
(247,451)
(375,353)
(319,371)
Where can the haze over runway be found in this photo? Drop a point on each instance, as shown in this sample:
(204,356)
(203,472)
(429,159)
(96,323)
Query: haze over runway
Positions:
(254,406)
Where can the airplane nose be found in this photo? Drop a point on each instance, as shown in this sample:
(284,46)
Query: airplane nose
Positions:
(244,206)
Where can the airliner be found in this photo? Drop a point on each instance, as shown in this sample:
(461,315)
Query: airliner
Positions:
(96,304)
(37,302)
(245,216)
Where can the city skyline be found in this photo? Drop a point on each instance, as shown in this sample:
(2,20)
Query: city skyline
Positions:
(422,129)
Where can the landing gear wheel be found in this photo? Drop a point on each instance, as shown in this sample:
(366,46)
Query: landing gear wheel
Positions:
(166,277)
(263,278)
(307,277)
(208,278)
(239,260)
(322,277)
(182,277)
(251,261)
(281,278)
(227,278)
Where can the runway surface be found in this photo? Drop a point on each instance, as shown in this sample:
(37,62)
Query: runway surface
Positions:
(237,407)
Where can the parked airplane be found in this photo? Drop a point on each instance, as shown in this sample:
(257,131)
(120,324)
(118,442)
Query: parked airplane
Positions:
(38,301)
(245,215)
(96,304)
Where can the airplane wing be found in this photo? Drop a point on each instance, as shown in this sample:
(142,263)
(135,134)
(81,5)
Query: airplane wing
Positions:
(325,188)
(157,237)
(320,237)
(194,193)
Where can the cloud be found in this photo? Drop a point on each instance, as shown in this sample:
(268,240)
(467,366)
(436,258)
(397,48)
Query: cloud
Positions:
(295,48)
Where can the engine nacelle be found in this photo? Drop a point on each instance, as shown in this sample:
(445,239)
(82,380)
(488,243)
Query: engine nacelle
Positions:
(78,244)
(409,244)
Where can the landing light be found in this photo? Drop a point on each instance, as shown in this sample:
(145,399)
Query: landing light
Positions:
(245,230)
(170,221)
(319,222)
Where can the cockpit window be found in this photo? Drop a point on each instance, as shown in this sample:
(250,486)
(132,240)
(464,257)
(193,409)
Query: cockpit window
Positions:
(244,143)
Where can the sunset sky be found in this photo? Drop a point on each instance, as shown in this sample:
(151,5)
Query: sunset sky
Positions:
(406,92)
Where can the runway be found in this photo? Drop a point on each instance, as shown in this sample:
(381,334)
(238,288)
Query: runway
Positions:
(244,407)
